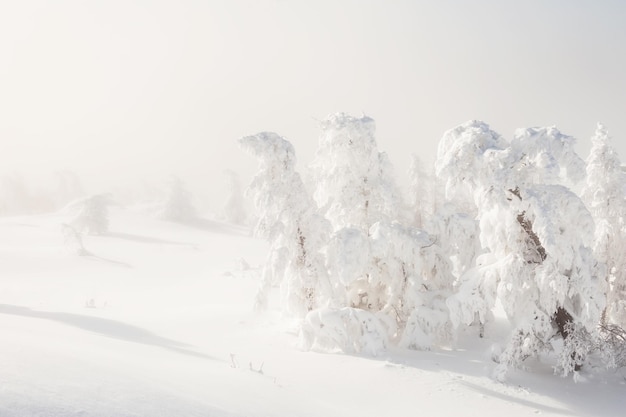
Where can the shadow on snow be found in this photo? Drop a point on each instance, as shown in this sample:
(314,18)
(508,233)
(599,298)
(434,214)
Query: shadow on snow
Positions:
(105,327)
(144,239)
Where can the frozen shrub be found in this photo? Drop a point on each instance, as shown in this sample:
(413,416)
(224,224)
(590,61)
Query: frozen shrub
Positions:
(349,330)
(73,240)
(612,345)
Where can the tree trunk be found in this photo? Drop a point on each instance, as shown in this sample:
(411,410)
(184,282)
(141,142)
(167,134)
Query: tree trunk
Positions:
(536,255)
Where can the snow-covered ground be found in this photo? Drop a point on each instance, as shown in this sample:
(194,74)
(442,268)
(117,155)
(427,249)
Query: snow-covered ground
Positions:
(158,321)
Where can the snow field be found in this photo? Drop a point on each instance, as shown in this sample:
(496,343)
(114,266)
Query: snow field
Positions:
(171,332)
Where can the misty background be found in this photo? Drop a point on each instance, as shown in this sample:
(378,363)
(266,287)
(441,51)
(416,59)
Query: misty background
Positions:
(124,93)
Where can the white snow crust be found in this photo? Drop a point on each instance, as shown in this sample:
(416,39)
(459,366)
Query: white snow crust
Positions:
(158,321)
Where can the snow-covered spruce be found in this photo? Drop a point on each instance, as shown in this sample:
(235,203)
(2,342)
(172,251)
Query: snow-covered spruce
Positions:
(538,236)
(422,203)
(289,220)
(418,279)
(375,259)
(355,189)
(508,229)
(354,181)
(371,263)
(544,155)
(397,273)
(93,215)
(604,195)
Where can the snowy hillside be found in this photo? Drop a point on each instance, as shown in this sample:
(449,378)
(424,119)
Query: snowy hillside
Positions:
(158,321)
(264,208)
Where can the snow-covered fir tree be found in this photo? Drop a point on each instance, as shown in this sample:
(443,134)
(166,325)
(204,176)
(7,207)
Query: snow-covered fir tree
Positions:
(93,215)
(421,193)
(417,279)
(538,235)
(289,220)
(378,261)
(546,156)
(506,228)
(355,190)
(604,195)
(355,186)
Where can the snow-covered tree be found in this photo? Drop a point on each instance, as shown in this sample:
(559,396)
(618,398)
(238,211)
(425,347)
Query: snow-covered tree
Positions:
(355,186)
(73,240)
(422,198)
(604,195)
(416,277)
(178,206)
(289,220)
(93,215)
(458,235)
(355,190)
(505,228)
(377,261)
(546,156)
(538,235)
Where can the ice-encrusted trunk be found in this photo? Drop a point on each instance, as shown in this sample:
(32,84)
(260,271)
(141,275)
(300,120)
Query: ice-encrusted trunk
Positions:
(536,254)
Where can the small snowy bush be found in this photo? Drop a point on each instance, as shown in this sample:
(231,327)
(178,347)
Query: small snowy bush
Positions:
(612,345)
(349,330)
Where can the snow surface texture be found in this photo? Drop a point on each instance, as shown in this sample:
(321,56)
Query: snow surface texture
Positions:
(158,322)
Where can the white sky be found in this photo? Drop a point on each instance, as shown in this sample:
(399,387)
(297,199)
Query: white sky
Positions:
(135,89)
